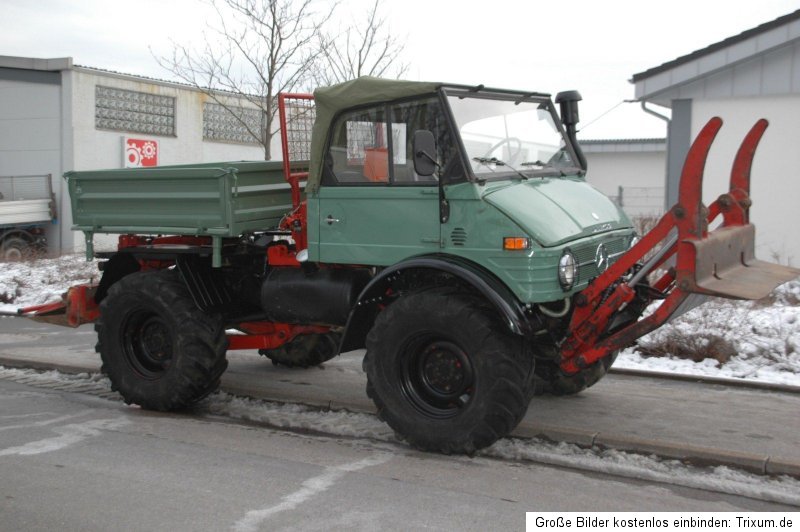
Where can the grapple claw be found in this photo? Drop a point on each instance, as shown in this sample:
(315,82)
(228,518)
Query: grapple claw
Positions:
(718,263)
(740,173)
(722,263)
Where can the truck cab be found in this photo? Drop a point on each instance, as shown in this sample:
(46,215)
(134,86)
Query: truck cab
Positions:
(505,189)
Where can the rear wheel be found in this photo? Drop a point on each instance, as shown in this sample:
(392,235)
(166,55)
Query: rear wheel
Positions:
(445,373)
(158,349)
(305,351)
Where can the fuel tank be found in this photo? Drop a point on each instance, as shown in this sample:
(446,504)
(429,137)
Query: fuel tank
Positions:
(320,296)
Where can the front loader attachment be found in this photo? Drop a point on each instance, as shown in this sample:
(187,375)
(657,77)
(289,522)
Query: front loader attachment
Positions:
(718,263)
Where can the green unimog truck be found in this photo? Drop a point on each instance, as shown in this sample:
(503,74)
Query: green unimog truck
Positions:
(447,229)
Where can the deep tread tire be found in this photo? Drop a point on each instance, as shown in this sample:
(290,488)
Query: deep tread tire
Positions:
(451,341)
(158,349)
(305,351)
(548,377)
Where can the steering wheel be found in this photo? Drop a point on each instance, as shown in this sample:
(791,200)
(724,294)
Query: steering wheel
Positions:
(512,154)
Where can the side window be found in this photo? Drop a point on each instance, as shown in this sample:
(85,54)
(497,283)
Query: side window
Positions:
(359,149)
(412,116)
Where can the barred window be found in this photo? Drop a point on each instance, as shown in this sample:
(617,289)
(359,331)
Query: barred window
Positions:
(139,112)
(232,124)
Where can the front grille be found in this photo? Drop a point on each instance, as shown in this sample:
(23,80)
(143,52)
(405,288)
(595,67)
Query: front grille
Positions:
(585,256)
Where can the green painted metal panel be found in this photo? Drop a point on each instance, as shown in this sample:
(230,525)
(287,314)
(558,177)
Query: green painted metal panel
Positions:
(557,210)
(375,225)
(476,229)
(217,199)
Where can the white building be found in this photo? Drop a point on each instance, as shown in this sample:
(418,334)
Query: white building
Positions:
(630,171)
(56,116)
(741,79)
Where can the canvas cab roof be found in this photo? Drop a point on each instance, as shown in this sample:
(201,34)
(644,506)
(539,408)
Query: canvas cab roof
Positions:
(329,101)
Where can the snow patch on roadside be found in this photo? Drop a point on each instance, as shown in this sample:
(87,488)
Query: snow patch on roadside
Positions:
(783,489)
(298,417)
(764,335)
(42,281)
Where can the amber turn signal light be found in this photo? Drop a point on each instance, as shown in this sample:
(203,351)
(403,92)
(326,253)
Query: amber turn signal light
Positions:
(516,243)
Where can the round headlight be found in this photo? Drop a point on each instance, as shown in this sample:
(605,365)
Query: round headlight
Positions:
(634,241)
(567,270)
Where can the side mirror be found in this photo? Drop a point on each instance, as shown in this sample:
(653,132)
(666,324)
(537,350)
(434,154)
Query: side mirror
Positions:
(424,150)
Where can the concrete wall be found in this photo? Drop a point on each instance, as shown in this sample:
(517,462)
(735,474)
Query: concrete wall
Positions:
(639,173)
(775,182)
(30,127)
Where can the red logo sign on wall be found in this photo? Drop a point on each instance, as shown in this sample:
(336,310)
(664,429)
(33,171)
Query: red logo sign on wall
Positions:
(140,152)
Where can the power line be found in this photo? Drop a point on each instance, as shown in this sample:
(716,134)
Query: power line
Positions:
(601,116)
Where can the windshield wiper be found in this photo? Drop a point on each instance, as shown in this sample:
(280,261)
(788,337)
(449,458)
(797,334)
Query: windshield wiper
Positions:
(497,162)
(534,163)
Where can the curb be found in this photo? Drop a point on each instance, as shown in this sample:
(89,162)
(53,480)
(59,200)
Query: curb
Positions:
(697,455)
(706,379)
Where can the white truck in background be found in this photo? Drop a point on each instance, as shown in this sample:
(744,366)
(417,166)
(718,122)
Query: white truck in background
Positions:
(27,207)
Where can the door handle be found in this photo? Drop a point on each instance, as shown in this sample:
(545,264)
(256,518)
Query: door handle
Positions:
(331,220)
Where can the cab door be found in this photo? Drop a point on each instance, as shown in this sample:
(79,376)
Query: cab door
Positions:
(373,208)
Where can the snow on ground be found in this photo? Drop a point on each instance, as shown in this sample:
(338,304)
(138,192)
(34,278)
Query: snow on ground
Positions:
(341,423)
(41,281)
(756,340)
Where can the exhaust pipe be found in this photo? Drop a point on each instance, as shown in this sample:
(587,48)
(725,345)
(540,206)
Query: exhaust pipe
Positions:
(568,100)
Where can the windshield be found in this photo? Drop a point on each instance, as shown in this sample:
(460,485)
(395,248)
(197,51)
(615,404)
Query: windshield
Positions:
(508,134)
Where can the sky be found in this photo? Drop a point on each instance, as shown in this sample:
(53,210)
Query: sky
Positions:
(592,46)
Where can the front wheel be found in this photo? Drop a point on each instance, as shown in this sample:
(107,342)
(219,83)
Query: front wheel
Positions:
(445,373)
(158,349)
(550,379)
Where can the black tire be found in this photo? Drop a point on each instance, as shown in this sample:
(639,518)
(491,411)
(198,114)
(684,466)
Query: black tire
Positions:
(158,349)
(445,373)
(304,351)
(15,249)
(548,377)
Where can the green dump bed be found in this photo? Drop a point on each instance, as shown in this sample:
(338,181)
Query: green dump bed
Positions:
(212,199)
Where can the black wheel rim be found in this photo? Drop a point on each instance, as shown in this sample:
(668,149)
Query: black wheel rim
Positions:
(436,377)
(147,344)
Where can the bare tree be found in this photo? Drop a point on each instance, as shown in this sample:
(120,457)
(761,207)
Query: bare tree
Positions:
(365,49)
(254,50)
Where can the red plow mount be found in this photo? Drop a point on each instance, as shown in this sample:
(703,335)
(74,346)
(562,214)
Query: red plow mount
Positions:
(702,263)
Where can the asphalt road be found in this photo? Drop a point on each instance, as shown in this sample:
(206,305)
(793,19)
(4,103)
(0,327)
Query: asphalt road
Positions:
(71,461)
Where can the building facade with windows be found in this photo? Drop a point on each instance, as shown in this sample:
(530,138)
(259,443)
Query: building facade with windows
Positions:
(56,116)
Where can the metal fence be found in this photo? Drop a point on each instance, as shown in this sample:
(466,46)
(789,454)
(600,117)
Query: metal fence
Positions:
(640,201)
